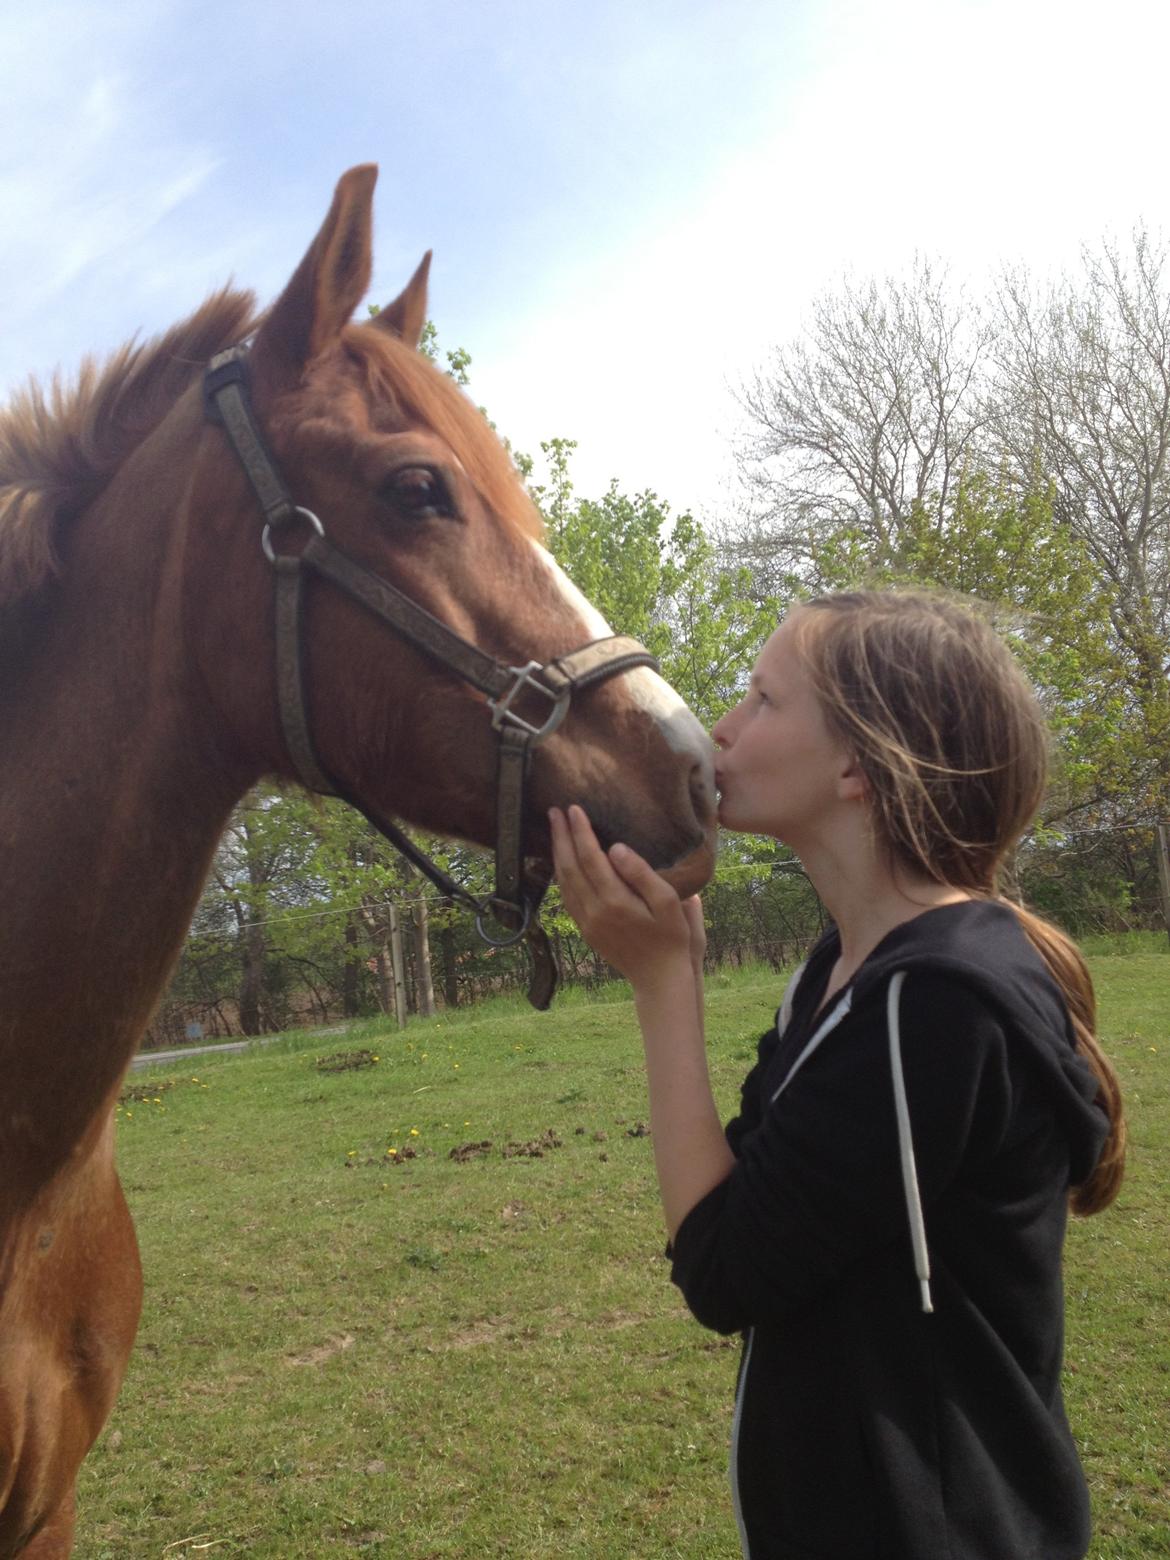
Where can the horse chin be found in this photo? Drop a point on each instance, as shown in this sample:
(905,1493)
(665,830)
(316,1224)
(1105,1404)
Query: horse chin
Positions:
(693,871)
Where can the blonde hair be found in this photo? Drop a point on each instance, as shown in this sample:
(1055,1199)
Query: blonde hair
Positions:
(953,746)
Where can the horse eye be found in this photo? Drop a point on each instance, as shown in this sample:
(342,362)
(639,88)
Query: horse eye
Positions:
(417,490)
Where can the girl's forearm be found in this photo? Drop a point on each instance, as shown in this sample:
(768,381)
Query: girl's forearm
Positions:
(690,1150)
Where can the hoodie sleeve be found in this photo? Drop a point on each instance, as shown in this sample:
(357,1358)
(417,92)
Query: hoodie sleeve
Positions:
(751,1111)
(818,1181)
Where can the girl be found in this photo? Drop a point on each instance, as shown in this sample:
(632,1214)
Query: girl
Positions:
(883,1219)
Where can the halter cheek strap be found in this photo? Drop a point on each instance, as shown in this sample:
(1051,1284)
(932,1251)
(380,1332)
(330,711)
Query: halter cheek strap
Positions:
(519,889)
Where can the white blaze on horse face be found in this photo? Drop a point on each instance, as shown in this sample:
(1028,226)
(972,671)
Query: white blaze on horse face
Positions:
(649,691)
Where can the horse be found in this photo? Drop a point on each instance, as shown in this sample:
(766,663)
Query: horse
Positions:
(139,700)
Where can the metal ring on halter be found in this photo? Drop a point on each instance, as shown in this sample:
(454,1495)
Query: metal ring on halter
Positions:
(513,937)
(266,534)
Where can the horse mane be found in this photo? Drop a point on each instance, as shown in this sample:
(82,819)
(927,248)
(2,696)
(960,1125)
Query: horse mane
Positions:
(397,373)
(59,450)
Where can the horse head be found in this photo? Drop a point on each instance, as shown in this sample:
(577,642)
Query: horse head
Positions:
(408,479)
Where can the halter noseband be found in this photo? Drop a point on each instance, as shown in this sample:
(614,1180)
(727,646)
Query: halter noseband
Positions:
(516,900)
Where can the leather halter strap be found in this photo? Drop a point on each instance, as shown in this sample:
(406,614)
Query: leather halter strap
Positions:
(518,891)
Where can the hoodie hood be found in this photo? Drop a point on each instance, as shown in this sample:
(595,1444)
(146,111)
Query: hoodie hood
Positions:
(982,945)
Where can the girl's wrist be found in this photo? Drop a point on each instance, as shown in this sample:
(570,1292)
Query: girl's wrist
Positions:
(672,980)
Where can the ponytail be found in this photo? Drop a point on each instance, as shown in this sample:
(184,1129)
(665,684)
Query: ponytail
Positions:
(1070,972)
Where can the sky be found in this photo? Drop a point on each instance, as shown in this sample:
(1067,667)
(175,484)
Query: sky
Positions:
(631,202)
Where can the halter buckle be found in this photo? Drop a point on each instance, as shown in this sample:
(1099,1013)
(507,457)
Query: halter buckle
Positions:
(503,713)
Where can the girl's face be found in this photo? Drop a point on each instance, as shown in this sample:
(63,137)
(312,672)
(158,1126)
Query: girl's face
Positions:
(780,770)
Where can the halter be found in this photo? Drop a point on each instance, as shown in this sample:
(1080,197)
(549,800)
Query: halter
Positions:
(518,892)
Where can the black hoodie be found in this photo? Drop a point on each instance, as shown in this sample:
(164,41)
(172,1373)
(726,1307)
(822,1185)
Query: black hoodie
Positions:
(899,1284)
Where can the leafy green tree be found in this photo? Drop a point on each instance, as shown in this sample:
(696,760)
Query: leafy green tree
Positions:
(661,579)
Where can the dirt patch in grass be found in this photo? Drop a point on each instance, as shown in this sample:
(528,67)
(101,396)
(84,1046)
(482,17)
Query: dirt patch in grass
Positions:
(466,1151)
(139,1093)
(345,1061)
(536,1149)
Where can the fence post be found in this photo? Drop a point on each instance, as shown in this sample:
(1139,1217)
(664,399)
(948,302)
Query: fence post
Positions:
(1164,871)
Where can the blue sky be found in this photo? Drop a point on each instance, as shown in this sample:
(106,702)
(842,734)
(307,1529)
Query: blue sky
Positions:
(628,203)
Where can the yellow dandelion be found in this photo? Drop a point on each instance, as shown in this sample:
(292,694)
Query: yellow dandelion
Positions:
(414,1132)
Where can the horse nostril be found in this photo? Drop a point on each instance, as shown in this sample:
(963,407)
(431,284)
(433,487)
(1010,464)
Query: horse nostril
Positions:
(702,791)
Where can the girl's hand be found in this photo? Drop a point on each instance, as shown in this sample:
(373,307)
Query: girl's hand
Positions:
(625,911)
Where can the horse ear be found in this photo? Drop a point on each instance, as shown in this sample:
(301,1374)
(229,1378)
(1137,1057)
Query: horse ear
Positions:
(328,284)
(407,315)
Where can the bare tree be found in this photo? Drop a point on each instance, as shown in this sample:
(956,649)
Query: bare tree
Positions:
(874,410)
(1082,395)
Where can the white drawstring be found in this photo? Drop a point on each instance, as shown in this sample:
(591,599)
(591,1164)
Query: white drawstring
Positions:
(906,1145)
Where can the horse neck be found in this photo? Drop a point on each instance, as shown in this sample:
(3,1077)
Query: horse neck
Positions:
(113,793)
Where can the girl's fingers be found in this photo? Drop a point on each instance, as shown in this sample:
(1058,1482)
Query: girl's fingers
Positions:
(623,908)
(640,876)
(591,859)
(587,877)
(565,861)
(580,866)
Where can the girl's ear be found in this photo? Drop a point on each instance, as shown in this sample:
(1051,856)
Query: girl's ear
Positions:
(852,786)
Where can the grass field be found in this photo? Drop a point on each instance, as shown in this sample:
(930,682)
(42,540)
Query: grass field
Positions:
(346,1351)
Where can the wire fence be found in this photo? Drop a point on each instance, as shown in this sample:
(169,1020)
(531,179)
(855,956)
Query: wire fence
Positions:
(313,966)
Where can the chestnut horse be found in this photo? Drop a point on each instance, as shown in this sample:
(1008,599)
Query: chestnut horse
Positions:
(138,704)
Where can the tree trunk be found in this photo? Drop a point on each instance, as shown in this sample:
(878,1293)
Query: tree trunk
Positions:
(252,977)
(351,976)
(385,978)
(1162,845)
(399,972)
(450,970)
(424,986)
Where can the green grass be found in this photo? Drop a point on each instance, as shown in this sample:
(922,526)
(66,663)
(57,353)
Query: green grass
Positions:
(340,1355)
